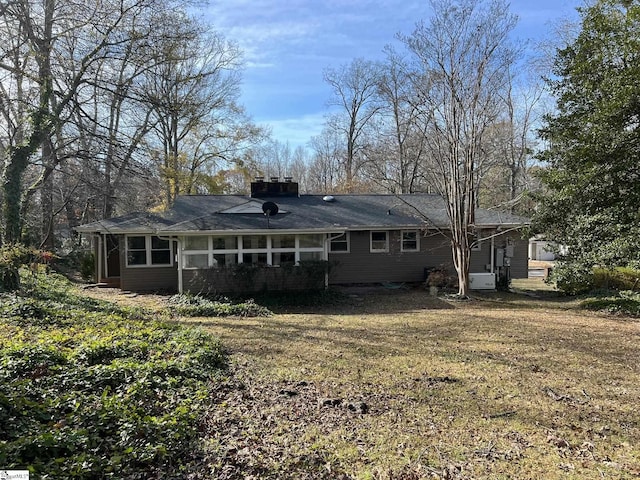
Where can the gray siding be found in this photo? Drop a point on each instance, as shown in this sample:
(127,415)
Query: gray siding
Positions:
(141,279)
(357,266)
(362,266)
(520,261)
(480,259)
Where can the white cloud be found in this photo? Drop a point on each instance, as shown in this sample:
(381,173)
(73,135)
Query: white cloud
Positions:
(297,131)
(288,43)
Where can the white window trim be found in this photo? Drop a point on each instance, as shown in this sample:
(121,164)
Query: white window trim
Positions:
(417,233)
(240,251)
(347,236)
(148,250)
(376,250)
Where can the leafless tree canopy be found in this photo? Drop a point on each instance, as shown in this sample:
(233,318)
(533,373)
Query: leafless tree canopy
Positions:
(107,107)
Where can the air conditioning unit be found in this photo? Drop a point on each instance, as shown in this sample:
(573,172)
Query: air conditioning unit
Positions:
(482,281)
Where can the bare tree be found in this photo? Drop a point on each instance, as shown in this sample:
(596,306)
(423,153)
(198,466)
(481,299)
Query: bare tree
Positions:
(397,155)
(198,121)
(509,146)
(299,169)
(60,47)
(273,158)
(324,175)
(462,58)
(354,88)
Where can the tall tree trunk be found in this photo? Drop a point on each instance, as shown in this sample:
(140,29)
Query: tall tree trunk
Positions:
(46,197)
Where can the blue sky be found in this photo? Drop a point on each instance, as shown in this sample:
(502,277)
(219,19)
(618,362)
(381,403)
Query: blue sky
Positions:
(288,43)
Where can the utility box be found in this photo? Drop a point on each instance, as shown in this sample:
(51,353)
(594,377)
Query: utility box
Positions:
(499,257)
(509,250)
(482,281)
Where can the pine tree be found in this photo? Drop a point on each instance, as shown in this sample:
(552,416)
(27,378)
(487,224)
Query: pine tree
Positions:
(592,202)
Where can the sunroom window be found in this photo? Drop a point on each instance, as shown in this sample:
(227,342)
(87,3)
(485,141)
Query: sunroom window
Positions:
(275,250)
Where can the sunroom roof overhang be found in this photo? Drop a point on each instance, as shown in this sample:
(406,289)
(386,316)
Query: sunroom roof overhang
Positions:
(264,231)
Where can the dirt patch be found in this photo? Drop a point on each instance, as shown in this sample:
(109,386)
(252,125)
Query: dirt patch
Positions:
(150,301)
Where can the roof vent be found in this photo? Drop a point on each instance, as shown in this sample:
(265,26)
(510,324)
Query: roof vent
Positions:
(274,179)
(328,198)
(288,179)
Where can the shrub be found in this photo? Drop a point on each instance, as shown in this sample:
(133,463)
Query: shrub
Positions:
(12,257)
(621,303)
(81,261)
(199,306)
(572,279)
(616,279)
(441,278)
(575,278)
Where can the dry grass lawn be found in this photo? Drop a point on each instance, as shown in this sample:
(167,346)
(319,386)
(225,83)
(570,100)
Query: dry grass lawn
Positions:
(400,385)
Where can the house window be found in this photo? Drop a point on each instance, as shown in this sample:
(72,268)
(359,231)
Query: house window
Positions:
(250,242)
(283,241)
(340,244)
(221,260)
(410,242)
(225,243)
(196,243)
(379,241)
(310,256)
(283,258)
(160,251)
(203,251)
(136,251)
(274,250)
(198,260)
(256,258)
(311,241)
(145,251)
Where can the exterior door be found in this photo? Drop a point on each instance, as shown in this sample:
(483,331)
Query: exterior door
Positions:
(113,255)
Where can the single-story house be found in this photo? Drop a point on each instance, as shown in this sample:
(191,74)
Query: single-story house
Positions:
(275,238)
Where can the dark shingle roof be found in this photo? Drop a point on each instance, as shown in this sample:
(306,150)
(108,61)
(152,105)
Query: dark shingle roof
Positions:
(307,212)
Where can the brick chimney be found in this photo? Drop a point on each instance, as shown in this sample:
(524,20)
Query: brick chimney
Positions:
(274,188)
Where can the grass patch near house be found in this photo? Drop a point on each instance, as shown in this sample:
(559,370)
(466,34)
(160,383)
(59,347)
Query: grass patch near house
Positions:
(397,384)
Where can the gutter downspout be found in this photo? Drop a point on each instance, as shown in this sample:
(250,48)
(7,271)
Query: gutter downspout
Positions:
(98,239)
(493,253)
(106,263)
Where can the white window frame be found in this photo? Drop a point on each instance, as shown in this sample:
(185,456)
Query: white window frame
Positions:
(417,234)
(148,253)
(206,252)
(347,236)
(379,250)
(269,250)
